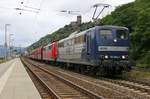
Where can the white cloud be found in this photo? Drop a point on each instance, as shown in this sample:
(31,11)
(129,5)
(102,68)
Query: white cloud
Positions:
(29,27)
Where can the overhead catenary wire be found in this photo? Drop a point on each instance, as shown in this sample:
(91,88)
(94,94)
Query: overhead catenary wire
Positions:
(25,7)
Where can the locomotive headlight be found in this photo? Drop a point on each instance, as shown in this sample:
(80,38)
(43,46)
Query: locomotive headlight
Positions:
(123,57)
(115,40)
(106,57)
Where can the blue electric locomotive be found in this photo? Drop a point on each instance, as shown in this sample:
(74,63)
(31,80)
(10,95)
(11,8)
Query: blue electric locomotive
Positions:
(107,49)
(101,50)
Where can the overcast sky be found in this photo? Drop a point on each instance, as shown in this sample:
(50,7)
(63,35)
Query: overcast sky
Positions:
(30,27)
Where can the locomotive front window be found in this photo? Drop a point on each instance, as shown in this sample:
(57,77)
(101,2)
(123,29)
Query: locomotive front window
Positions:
(105,34)
(121,34)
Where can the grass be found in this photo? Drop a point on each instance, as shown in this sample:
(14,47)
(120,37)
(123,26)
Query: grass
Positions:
(138,74)
(144,62)
(142,65)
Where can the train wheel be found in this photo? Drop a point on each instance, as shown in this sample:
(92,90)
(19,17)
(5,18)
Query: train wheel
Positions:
(82,69)
(77,68)
(100,71)
(92,71)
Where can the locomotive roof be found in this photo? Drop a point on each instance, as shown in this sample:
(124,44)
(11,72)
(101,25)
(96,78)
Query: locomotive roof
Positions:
(112,27)
(75,34)
(48,45)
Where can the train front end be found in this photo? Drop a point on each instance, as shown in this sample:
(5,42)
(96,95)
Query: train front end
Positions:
(113,49)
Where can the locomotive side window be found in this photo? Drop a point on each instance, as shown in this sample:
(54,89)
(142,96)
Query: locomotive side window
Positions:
(61,44)
(82,39)
(49,48)
(88,42)
(79,40)
(65,43)
(43,49)
(121,34)
(105,33)
(69,43)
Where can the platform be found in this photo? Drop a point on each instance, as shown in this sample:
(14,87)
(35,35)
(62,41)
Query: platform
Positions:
(15,83)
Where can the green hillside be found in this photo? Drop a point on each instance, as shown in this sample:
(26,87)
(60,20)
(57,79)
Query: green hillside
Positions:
(60,34)
(135,16)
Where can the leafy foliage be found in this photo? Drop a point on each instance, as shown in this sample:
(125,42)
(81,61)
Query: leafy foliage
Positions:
(135,16)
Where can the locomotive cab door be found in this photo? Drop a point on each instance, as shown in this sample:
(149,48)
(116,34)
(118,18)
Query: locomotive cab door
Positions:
(88,43)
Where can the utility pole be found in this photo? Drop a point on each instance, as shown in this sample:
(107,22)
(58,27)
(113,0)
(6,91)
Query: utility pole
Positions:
(6,45)
(10,41)
(20,49)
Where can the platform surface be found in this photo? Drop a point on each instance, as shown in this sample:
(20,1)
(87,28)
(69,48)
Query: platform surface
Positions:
(15,83)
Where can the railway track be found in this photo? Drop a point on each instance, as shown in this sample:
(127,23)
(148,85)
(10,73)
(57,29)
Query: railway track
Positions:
(57,87)
(131,85)
(42,88)
(139,81)
(131,89)
(125,89)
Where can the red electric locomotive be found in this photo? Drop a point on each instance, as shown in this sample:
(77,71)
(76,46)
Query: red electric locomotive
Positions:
(50,52)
